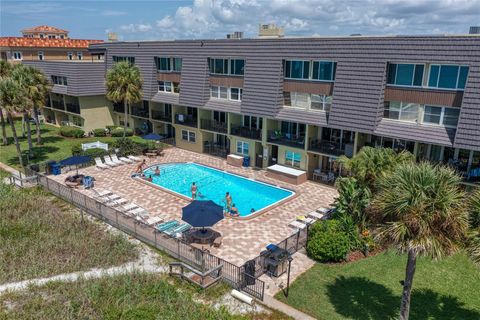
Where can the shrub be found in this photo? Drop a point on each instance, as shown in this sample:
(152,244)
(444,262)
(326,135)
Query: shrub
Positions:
(99,132)
(110,128)
(128,147)
(323,226)
(118,132)
(71,132)
(77,150)
(328,246)
(95,152)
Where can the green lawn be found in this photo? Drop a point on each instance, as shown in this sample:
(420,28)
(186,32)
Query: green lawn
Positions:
(55,147)
(41,235)
(370,289)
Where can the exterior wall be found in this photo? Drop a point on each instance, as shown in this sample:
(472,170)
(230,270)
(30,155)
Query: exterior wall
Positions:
(281,156)
(251,147)
(96,111)
(31,54)
(196,147)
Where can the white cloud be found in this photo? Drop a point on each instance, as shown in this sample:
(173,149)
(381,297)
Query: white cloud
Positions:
(215,18)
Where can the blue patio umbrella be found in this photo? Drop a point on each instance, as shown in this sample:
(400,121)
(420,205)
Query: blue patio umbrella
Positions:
(201,214)
(152,136)
(75,161)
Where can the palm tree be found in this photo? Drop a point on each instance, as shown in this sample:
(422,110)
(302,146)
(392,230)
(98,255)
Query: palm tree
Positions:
(370,164)
(425,207)
(12,98)
(473,247)
(5,69)
(124,84)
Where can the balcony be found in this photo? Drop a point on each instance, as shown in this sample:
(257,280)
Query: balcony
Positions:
(162,116)
(58,104)
(246,132)
(186,120)
(214,149)
(327,147)
(140,112)
(286,139)
(73,107)
(213,125)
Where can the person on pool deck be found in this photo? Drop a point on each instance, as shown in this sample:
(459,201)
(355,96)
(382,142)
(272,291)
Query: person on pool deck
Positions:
(193,189)
(157,171)
(228,200)
(234,211)
(140,166)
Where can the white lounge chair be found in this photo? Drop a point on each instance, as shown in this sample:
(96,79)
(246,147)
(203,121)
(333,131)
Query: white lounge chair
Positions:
(153,220)
(116,202)
(305,220)
(118,162)
(134,158)
(316,215)
(109,162)
(140,212)
(122,159)
(297,225)
(108,198)
(129,206)
(99,164)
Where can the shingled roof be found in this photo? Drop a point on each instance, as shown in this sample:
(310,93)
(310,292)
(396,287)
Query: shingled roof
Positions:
(44,28)
(45,43)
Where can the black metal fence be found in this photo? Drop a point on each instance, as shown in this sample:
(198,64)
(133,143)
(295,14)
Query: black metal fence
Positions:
(196,258)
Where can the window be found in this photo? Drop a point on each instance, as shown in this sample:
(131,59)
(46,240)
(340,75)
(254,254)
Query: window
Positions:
(253,122)
(293,129)
(236,94)
(62,36)
(188,136)
(401,111)
(51,36)
(79,55)
(227,66)
(42,36)
(168,64)
(307,101)
(293,159)
(405,74)
(130,60)
(59,80)
(70,55)
(77,121)
(220,116)
(447,76)
(17,55)
(242,147)
(441,115)
(40,55)
(324,70)
(165,86)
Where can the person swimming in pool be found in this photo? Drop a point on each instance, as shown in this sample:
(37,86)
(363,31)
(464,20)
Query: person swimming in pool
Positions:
(157,171)
(228,200)
(193,189)
(234,211)
(150,179)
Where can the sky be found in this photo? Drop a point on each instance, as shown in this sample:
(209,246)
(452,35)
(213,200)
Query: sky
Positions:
(207,19)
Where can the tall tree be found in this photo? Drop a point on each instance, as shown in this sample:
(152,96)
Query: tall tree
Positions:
(425,207)
(20,74)
(124,85)
(12,98)
(36,87)
(473,247)
(5,69)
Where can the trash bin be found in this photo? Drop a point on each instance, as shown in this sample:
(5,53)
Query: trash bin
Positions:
(246,161)
(48,166)
(88,182)
(56,169)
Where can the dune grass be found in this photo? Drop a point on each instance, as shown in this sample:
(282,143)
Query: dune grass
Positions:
(370,289)
(41,235)
(54,147)
(128,296)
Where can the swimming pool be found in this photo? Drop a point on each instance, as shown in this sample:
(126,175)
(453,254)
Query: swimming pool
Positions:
(212,184)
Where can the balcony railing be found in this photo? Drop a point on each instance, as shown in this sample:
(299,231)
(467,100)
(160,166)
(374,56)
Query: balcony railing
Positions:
(140,112)
(327,147)
(56,104)
(73,107)
(286,139)
(247,132)
(162,116)
(186,120)
(213,125)
(215,149)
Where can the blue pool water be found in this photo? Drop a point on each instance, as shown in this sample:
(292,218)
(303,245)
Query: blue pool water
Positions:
(213,184)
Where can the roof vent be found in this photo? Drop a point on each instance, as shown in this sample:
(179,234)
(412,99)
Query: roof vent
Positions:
(235,35)
(474,30)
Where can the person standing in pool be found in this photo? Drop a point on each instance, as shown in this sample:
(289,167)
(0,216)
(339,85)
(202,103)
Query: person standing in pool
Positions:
(228,200)
(193,189)
(157,171)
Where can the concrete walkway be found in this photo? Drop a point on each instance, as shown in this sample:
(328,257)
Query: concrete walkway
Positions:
(146,263)
(273,303)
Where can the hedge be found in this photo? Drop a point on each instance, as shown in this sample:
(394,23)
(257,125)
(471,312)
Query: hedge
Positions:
(71,132)
(118,132)
(99,132)
(328,246)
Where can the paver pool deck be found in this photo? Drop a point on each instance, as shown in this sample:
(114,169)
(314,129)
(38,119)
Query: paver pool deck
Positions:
(242,239)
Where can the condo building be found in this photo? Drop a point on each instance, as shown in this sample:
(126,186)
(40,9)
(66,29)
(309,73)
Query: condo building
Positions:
(298,102)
